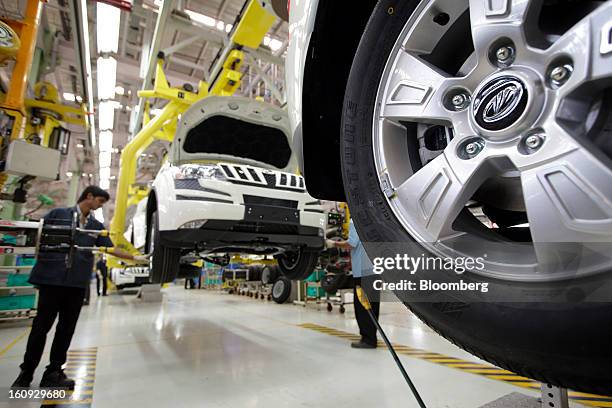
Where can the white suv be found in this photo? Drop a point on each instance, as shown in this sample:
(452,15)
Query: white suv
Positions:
(230,186)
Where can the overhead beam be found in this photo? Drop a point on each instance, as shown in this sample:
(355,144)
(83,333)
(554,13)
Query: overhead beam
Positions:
(268,81)
(180,45)
(188,26)
(80,35)
(158,35)
(219,38)
(128,68)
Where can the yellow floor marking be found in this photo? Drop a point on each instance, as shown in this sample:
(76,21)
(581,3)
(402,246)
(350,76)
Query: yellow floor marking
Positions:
(81,363)
(442,360)
(15,341)
(512,377)
(484,370)
(584,394)
(81,392)
(67,402)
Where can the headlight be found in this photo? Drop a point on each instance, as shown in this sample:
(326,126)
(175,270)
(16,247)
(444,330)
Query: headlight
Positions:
(196,171)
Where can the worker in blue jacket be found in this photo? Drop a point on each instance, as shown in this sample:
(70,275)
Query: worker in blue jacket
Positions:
(361,267)
(61,290)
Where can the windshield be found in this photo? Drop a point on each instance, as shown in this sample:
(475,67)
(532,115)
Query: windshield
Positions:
(224,135)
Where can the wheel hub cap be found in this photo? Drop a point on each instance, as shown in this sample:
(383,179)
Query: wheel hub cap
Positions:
(500,103)
(507,103)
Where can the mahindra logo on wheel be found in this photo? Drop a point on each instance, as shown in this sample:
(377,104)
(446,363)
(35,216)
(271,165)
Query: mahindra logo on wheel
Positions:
(500,103)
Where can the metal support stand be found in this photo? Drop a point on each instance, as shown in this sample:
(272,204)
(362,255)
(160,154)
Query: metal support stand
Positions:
(552,397)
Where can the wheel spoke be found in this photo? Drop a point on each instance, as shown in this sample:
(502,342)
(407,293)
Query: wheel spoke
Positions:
(493,19)
(589,43)
(569,207)
(414,91)
(436,194)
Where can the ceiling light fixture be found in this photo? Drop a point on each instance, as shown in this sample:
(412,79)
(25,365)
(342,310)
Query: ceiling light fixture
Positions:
(106,115)
(201,18)
(106,141)
(107,77)
(105,159)
(108,19)
(104,173)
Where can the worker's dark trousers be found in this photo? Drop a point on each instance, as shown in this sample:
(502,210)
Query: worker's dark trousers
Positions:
(367,328)
(102,278)
(53,301)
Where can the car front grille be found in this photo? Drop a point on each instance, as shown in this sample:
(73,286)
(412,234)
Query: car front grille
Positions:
(244,174)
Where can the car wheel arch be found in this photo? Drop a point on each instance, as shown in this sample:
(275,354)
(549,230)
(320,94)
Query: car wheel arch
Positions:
(322,84)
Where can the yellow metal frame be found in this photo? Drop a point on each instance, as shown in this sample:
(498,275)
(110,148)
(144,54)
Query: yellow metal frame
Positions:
(229,77)
(27,30)
(254,23)
(161,127)
(53,113)
(68,114)
(136,194)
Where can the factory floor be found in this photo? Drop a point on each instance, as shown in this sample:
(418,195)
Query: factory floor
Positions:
(204,348)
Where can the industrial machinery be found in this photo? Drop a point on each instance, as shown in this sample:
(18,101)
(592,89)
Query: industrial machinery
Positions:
(48,235)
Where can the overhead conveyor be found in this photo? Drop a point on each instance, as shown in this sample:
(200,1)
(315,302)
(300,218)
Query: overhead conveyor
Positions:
(248,32)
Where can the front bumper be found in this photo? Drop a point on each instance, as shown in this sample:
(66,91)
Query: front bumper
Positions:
(195,205)
(245,236)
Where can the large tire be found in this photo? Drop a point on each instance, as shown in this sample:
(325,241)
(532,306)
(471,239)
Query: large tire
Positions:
(297,265)
(269,274)
(564,344)
(281,290)
(164,260)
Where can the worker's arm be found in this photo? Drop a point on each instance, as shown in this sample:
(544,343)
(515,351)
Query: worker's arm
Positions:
(126,255)
(106,245)
(330,243)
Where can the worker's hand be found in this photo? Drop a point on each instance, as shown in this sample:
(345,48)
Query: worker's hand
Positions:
(330,243)
(142,258)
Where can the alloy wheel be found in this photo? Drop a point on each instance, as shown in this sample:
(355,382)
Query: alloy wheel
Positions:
(511,123)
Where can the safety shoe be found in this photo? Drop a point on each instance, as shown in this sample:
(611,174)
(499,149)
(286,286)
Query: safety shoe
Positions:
(56,379)
(23,380)
(362,345)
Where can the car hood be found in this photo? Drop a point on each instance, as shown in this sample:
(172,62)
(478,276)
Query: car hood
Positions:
(234,129)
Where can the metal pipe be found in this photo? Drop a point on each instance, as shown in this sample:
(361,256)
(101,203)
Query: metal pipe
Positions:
(127,169)
(19,79)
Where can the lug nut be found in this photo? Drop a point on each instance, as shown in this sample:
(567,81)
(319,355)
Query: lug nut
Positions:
(503,54)
(560,74)
(471,148)
(460,101)
(534,141)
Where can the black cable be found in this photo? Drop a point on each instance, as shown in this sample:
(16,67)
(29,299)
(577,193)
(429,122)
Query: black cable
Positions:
(365,302)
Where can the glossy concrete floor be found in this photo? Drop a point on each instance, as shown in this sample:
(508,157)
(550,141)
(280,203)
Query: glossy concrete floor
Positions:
(204,348)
